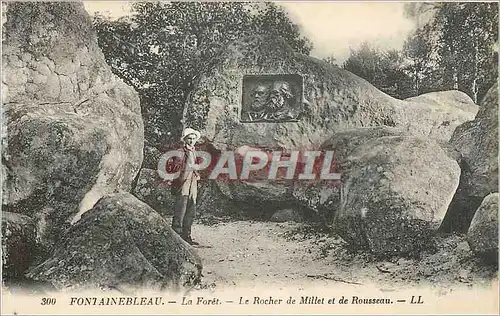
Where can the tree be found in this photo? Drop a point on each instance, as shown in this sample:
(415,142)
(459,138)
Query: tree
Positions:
(397,82)
(364,62)
(468,33)
(455,46)
(421,12)
(161,49)
(273,20)
(331,60)
(420,61)
(380,68)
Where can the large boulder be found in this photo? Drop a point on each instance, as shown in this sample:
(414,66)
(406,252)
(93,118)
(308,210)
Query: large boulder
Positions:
(18,245)
(394,193)
(155,192)
(212,202)
(452,98)
(121,243)
(256,196)
(266,190)
(482,235)
(74,130)
(477,141)
(334,100)
(323,197)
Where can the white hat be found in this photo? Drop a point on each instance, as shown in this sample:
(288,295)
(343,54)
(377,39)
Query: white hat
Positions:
(189,131)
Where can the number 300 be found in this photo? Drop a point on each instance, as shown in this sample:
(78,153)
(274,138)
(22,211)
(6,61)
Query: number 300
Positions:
(48,301)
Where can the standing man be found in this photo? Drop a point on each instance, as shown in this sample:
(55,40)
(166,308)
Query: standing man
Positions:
(186,186)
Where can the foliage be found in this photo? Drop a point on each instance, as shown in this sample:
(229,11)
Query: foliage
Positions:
(453,47)
(163,47)
(419,62)
(383,69)
(467,34)
(331,60)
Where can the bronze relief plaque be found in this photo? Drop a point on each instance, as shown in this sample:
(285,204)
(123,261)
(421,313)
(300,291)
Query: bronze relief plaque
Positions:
(271,98)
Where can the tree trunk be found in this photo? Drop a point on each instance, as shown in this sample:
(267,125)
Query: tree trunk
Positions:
(475,76)
(455,78)
(418,68)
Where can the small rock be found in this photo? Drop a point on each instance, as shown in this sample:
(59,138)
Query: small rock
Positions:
(482,235)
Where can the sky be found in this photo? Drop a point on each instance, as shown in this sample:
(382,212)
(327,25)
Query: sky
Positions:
(333,27)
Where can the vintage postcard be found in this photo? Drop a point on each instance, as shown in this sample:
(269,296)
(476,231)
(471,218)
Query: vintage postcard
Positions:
(206,157)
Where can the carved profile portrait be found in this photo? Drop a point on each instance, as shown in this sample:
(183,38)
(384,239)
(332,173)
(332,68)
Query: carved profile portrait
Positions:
(271,98)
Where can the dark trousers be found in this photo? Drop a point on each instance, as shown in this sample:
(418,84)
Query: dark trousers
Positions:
(185,211)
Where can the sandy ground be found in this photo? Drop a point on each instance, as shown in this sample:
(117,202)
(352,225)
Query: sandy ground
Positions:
(254,254)
(266,261)
(267,256)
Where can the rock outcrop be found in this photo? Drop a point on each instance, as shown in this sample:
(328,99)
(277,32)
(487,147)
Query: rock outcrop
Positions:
(18,245)
(74,130)
(477,141)
(482,235)
(394,193)
(335,100)
(121,243)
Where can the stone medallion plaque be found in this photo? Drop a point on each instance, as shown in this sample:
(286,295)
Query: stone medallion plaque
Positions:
(271,98)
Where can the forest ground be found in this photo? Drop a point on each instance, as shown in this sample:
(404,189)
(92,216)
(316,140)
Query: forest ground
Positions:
(252,254)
